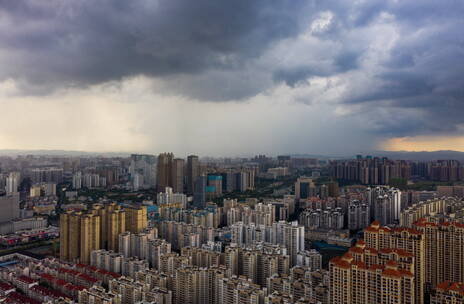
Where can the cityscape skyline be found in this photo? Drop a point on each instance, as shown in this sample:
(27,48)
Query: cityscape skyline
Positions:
(163,229)
(231,152)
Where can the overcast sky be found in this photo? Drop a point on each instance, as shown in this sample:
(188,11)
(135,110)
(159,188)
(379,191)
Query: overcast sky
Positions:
(221,77)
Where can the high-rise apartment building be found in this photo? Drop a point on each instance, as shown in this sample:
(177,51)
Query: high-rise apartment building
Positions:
(238,290)
(9,207)
(214,187)
(47,175)
(304,188)
(310,258)
(79,236)
(358,215)
(291,235)
(168,197)
(178,165)
(370,170)
(384,204)
(445,208)
(444,251)
(366,275)
(136,244)
(294,240)
(12,182)
(142,170)
(164,171)
(228,181)
(192,172)
(187,286)
(136,218)
(131,291)
(99,228)
(77,180)
(107,260)
(199,196)
(407,239)
(330,218)
(155,249)
(202,257)
(437,249)
(113,223)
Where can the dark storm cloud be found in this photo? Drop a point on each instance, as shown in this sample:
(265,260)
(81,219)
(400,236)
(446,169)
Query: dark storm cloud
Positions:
(417,87)
(56,43)
(229,50)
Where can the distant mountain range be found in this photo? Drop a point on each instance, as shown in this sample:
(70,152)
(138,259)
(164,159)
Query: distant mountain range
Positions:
(422,155)
(406,155)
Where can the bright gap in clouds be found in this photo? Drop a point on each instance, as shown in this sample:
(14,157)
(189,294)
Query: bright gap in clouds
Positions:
(425,143)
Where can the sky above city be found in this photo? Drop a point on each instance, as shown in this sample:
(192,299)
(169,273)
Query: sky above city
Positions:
(220,77)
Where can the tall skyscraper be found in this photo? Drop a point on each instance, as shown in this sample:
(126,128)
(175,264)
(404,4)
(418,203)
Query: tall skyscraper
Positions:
(178,165)
(444,251)
(241,181)
(294,240)
(164,171)
(77,180)
(193,171)
(228,182)
(143,171)
(12,182)
(199,196)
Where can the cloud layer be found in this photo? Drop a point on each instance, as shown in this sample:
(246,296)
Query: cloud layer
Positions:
(387,68)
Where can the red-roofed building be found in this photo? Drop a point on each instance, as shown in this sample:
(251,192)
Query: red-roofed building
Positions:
(6,288)
(24,283)
(17,298)
(86,280)
(61,285)
(78,278)
(448,292)
(100,274)
(401,244)
(44,294)
(365,275)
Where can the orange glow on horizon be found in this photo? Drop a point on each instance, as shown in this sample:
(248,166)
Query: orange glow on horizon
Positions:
(424,143)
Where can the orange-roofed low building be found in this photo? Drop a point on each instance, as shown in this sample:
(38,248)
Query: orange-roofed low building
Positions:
(448,293)
(24,283)
(6,288)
